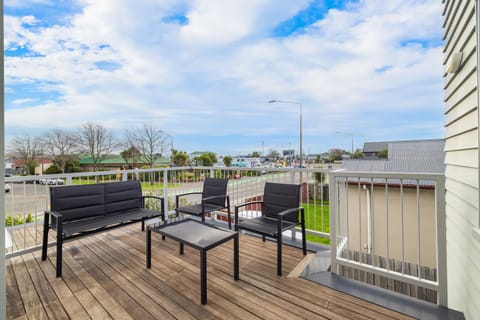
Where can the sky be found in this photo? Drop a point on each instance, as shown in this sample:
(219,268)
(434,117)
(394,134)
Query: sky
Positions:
(204,71)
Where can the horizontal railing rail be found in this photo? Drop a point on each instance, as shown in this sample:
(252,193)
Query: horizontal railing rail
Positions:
(390,225)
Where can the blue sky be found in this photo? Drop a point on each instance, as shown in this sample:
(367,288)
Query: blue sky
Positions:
(204,70)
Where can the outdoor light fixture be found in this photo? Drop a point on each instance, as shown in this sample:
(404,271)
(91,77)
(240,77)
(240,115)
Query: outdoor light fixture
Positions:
(299,104)
(454,62)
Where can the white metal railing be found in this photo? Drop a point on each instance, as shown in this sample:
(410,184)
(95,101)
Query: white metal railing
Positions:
(390,225)
(29,195)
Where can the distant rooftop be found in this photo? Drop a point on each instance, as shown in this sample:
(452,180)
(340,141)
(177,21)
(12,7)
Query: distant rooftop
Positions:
(420,156)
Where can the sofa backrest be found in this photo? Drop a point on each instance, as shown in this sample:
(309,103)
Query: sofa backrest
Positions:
(78,202)
(121,196)
(90,200)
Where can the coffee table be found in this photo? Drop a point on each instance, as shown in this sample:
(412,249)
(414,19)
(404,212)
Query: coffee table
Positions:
(197,235)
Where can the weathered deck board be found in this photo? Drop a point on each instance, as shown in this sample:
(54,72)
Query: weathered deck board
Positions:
(104,277)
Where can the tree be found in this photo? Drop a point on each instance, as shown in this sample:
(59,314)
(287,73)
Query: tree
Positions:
(255,154)
(150,141)
(60,144)
(227,160)
(213,157)
(335,154)
(358,154)
(131,155)
(207,159)
(383,153)
(27,149)
(72,165)
(273,154)
(180,158)
(95,141)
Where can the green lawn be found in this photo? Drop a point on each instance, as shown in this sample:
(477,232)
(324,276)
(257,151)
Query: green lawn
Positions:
(317,218)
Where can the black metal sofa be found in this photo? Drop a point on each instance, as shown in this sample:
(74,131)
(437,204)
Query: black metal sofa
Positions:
(84,209)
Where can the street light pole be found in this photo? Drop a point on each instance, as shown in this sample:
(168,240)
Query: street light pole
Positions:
(347,133)
(171,147)
(301,138)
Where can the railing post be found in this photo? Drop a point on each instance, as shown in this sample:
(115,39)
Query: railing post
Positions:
(69,181)
(442,292)
(212,174)
(124,175)
(165,191)
(333,220)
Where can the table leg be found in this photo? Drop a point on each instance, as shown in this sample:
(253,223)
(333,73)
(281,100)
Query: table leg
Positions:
(203,276)
(180,248)
(236,257)
(149,248)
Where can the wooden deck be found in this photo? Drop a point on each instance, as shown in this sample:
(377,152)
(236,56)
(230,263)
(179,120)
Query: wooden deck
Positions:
(104,277)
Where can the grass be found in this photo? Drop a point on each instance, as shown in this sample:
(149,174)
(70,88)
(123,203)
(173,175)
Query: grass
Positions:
(317,217)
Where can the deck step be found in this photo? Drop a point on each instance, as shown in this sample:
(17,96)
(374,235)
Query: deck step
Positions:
(385,298)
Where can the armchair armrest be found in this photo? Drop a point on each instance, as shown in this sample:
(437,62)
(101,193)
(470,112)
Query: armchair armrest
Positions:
(215,197)
(285,212)
(243,205)
(186,194)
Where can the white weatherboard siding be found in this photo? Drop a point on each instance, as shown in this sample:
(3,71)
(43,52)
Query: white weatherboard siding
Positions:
(461,159)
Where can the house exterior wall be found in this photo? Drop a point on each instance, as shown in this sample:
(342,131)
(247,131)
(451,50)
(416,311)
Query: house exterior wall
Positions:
(461,158)
(385,222)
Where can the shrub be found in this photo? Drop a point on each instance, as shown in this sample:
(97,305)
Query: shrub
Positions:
(53,169)
(18,219)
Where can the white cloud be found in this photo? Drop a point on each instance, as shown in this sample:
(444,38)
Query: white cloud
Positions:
(22,101)
(215,74)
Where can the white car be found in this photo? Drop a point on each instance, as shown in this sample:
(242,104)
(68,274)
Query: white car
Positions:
(7,187)
(51,181)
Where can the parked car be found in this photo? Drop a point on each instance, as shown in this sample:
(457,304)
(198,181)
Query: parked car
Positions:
(51,181)
(7,187)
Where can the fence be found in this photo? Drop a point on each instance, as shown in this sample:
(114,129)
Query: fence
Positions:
(390,225)
(28,197)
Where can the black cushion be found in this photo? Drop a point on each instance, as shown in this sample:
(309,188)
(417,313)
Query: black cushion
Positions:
(77,202)
(121,196)
(264,225)
(85,225)
(133,215)
(196,209)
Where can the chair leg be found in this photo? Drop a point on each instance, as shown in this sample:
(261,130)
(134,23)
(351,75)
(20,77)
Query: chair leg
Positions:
(143,224)
(59,255)
(45,237)
(279,255)
(304,240)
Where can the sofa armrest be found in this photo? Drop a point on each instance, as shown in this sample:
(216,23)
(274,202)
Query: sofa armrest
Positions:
(162,203)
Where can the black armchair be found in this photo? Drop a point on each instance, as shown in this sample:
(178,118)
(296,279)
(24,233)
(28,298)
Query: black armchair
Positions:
(214,197)
(280,210)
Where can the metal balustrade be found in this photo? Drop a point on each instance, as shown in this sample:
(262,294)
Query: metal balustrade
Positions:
(28,198)
(390,226)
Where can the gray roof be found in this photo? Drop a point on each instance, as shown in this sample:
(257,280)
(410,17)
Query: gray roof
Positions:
(416,156)
(374,146)
(378,146)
